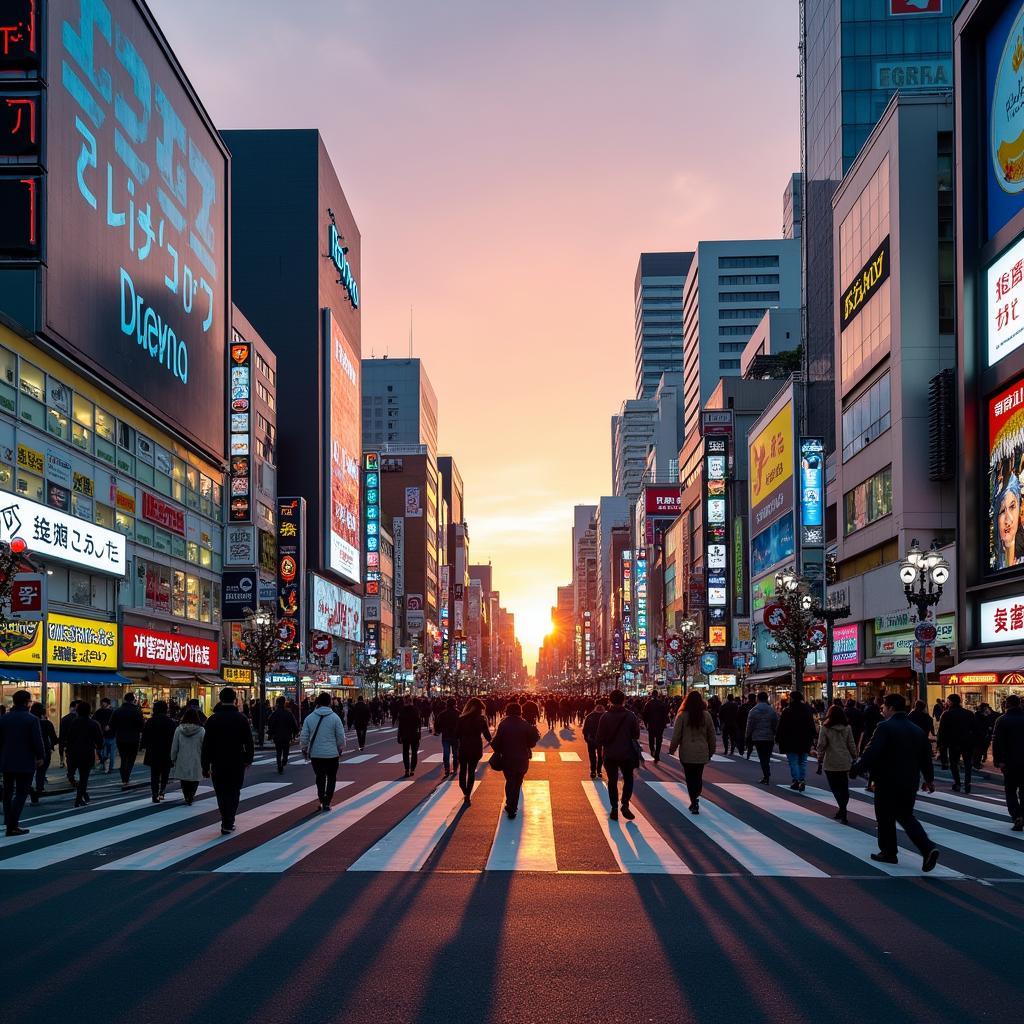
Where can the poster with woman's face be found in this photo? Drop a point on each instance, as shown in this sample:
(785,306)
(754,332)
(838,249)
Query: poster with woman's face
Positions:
(1005,473)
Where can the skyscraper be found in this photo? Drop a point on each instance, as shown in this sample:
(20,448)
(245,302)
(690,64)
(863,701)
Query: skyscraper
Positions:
(399,404)
(632,436)
(658,302)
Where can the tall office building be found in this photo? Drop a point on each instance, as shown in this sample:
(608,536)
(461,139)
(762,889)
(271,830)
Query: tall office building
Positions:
(632,436)
(728,289)
(399,404)
(657,296)
(853,58)
(792,209)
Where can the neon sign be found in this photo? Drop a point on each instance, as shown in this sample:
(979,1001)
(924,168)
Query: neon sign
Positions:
(339,257)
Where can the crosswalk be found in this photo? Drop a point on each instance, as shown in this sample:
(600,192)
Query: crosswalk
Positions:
(563,825)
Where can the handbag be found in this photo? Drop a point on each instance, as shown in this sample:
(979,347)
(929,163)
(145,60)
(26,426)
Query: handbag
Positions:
(312,739)
(496,761)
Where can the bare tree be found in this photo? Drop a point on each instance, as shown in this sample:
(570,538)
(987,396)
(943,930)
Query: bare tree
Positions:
(792,637)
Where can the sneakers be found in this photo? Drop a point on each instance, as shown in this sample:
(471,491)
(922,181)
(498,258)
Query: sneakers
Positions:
(931,858)
(801,786)
(627,813)
(17,832)
(1018,824)
(883,858)
(695,807)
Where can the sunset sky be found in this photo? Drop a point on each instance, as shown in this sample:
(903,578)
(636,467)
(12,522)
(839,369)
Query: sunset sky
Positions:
(506,163)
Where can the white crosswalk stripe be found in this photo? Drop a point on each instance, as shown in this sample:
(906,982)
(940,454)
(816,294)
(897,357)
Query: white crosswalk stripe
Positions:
(359,759)
(569,755)
(527,842)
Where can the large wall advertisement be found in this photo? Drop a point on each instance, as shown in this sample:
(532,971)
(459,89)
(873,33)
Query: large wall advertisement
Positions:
(344,447)
(771,465)
(1004,97)
(1005,472)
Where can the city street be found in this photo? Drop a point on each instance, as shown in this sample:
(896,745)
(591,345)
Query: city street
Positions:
(761,908)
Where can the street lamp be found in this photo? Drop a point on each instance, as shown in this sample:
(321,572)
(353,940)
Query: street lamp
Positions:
(923,575)
(261,648)
(687,649)
(829,613)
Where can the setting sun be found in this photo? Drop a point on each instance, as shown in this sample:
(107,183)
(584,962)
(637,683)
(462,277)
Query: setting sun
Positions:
(533,624)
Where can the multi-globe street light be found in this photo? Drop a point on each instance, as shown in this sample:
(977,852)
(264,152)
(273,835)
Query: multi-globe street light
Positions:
(923,575)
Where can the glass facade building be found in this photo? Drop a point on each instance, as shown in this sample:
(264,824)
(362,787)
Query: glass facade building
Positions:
(658,301)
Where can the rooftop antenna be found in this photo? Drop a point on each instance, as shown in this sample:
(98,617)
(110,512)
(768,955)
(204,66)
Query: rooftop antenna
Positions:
(410,332)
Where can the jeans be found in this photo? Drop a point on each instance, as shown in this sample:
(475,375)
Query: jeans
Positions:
(764,755)
(894,805)
(596,757)
(694,774)
(16,789)
(450,753)
(955,754)
(613,767)
(326,771)
(797,767)
(281,748)
(108,752)
(158,776)
(361,736)
(513,787)
(410,752)
(1013,785)
(128,752)
(227,785)
(839,783)
(655,740)
(467,774)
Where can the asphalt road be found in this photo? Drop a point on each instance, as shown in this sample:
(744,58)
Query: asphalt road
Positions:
(763,909)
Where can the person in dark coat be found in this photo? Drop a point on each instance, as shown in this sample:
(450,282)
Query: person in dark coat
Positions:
(410,723)
(897,757)
(281,728)
(617,730)
(471,730)
(227,752)
(513,740)
(746,743)
(590,724)
(795,736)
(1008,757)
(956,738)
(127,722)
(655,719)
(727,717)
(920,717)
(157,737)
(21,753)
(83,745)
(61,743)
(445,725)
(102,718)
(49,742)
(359,716)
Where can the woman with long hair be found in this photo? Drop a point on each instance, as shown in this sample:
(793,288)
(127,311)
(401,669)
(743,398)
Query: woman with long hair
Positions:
(693,735)
(471,731)
(836,753)
(1008,526)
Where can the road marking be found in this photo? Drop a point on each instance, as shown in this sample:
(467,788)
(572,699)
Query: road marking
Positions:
(526,843)
(720,758)
(636,845)
(850,840)
(754,850)
(164,855)
(394,759)
(359,759)
(993,805)
(290,847)
(411,842)
(978,821)
(568,755)
(70,848)
(433,758)
(540,757)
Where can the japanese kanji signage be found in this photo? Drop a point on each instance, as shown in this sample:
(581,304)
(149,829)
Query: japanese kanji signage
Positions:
(51,533)
(150,648)
(1002,621)
(291,575)
(1005,325)
(77,643)
(27,597)
(239,405)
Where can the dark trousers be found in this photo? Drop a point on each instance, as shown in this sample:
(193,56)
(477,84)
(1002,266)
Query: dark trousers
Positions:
(83,766)
(655,738)
(16,789)
(1013,784)
(281,748)
(513,787)
(728,738)
(694,775)
(227,785)
(188,790)
(128,752)
(158,776)
(361,736)
(894,805)
(596,757)
(410,752)
(40,780)
(839,783)
(326,771)
(764,755)
(467,774)
(955,756)
(613,767)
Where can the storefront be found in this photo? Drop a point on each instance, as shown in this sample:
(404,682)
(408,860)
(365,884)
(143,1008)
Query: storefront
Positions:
(174,667)
(982,681)
(865,684)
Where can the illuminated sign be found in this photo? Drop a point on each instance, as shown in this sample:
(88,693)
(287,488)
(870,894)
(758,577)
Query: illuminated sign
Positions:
(770,463)
(335,611)
(371,504)
(846,644)
(19,125)
(663,501)
(1005,533)
(149,647)
(717,636)
(865,284)
(641,605)
(716,551)
(915,7)
(291,572)
(917,75)
(19,215)
(239,406)
(80,643)
(19,35)
(239,676)
(1005,306)
(339,257)
(812,492)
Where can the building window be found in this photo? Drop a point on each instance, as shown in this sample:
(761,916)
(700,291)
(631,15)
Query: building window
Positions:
(105,425)
(734,262)
(178,594)
(868,501)
(32,383)
(82,423)
(30,486)
(867,417)
(105,515)
(748,296)
(79,588)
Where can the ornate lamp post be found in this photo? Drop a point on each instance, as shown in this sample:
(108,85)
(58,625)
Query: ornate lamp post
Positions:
(793,591)
(685,646)
(923,575)
(829,613)
(261,648)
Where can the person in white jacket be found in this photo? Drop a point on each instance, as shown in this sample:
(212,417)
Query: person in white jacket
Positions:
(323,741)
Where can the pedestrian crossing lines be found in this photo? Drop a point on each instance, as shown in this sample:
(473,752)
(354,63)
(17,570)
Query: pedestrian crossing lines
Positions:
(526,843)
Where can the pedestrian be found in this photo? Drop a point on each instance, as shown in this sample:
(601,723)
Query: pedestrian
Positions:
(957,737)
(410,724)
(984,723)
(227,751)
(49,742)
(102,718)
(21,753)
(693,735)
(590,724)
(920,717)
(62,740)
(187,753)
(513,740)
(470,731)
(655,719)
(193,703)
(1008,757)
(445,726)
(762,722)
(618,734)
(282,730)
(127,722)
(795,736)
(727,717)
(837,750)
(157,737)
(746,744)
(323,741)
(83,746)
(359,719)
(897,757)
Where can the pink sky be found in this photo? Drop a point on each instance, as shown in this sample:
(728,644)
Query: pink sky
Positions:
(507,163)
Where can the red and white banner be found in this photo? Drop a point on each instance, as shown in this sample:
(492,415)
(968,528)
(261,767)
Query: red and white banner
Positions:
(152,649)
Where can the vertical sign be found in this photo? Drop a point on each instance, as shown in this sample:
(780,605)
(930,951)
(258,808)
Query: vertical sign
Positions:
(716,560)
(291,573)
(398,532)
(738,575)
(627,605)
(443,586)
(371,503)
(239,405)
(640,584)
(812,492)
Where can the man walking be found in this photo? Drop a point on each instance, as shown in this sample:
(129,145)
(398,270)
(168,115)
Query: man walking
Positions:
(655,718)
(127,722)
(616,732)
(956,737)
(282,730)
(513,740)
(590,724)
(897,757)
(359,719)
(102,718)
(762,724)
(1008,756)
(446,726)
(21,752)
(746,746)
(323,742)
(227,751)
(727,715)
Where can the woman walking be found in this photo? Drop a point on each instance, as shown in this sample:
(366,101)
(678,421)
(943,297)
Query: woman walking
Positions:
(512,743)
(693,735)
(471,730)
(157,738)
(795,737)
(323,741)
(837,750)
(82,745)
(186,754)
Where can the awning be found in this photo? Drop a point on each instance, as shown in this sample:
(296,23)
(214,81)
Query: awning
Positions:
(764,678)
(982,671)
(20,675)
(156,677)
(67,675)
(211,681)
(876,674)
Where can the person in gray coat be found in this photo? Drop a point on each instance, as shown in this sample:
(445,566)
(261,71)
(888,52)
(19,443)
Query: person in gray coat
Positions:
(762,724)
(187,753)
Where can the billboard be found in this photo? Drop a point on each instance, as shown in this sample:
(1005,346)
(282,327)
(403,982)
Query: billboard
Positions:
(335,611)
(344,447)
(80,643)
(812,492)
(846,644)
(291,572)
(238,402)
(770,468)
(152,648)
(136,216)
(1005,538)
(663,501)
(1004,85)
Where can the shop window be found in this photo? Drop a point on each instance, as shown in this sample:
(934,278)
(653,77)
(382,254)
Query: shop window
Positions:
(217,564)
(30,486)
(144,473)
(81,506)
(106,451)
(178,471)
(79,589)
(32,381)
(58,424)
(192,500)
(205,601)
(125,436)
(158,587)
(8,381)
(868,501)
(144,533)
(178,492)
(178,594)
(192,598)
(105,424)
(6,477)
(216,604)
(192,478)
(177,546)
(193,552)
(162,541)
(162,483)
(105,515)
(206,558)
(125,524)
(125,462)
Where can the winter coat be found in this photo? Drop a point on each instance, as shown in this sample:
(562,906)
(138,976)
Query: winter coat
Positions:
(359,715)
(83,740)
(762,721)
(281,727)
(186,753)
(409,724)
(795,733)
(590,724)
(1008,740)
(956,729)
(695,746)
(330,734)
(615,733)
(445,724)
(655,714)
(227,743)
(514,739)
(126,723)
(837,749)
(897,756)
(923,721)
(157,736)
(471,731)
(21,741)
